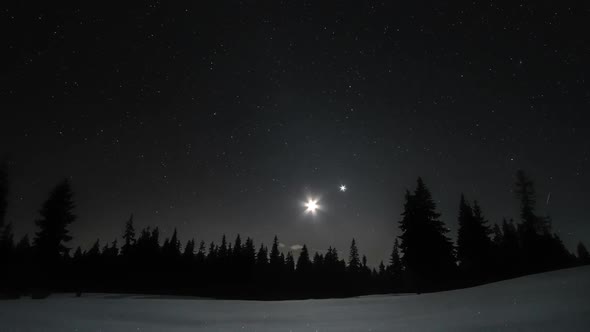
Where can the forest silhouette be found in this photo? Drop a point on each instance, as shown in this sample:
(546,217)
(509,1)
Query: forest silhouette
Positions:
(423,259)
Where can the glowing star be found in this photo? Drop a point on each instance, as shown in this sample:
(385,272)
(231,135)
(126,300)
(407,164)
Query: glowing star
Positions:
(312,206)
(342,188)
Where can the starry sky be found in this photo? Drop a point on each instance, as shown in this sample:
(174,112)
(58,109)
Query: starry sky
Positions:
(223,116)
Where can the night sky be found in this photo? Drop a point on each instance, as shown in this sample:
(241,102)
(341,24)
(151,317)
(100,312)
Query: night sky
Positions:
(222,117)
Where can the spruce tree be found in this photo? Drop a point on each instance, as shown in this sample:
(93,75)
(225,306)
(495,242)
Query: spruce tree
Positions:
(541,250)
(212,255)
(128,237)
(474,247)
(223,252)
(275,259)
(395,263)
(262,257)
(303,262)
(354,262)
(464,236)
(249,253)
(201,253)
(525,192)
(78,255)
(237,250)
(174,244)
(115,248)
(56,216)
(154,242)
(290,263)
(189,250)
(510,250)
(94,251)
(318,262)
(428,254)
(497,235)
(382,270)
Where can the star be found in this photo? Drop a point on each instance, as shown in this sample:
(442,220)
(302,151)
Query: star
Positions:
(342,188)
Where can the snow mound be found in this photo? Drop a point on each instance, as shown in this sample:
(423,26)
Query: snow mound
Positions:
(553,301)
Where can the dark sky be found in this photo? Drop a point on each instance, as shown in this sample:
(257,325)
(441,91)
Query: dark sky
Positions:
(221,116)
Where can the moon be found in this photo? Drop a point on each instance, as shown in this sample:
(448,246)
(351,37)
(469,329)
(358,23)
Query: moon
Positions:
(312,206)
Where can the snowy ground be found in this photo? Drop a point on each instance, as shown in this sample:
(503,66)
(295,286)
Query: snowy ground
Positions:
(554,301)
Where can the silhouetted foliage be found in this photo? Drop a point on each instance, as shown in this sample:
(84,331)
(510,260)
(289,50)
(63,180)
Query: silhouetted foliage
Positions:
(422,258)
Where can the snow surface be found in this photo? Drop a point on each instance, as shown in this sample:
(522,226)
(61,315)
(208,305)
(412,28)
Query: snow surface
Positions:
(554,301)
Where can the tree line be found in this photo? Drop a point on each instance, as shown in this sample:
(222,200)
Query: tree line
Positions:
(423,258)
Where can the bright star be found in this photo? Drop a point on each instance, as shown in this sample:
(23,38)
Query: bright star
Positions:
(342,188)
(311,205)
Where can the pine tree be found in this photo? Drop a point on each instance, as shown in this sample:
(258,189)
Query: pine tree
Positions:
(428,254)
(353,258)
(56,216)
(128,237)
